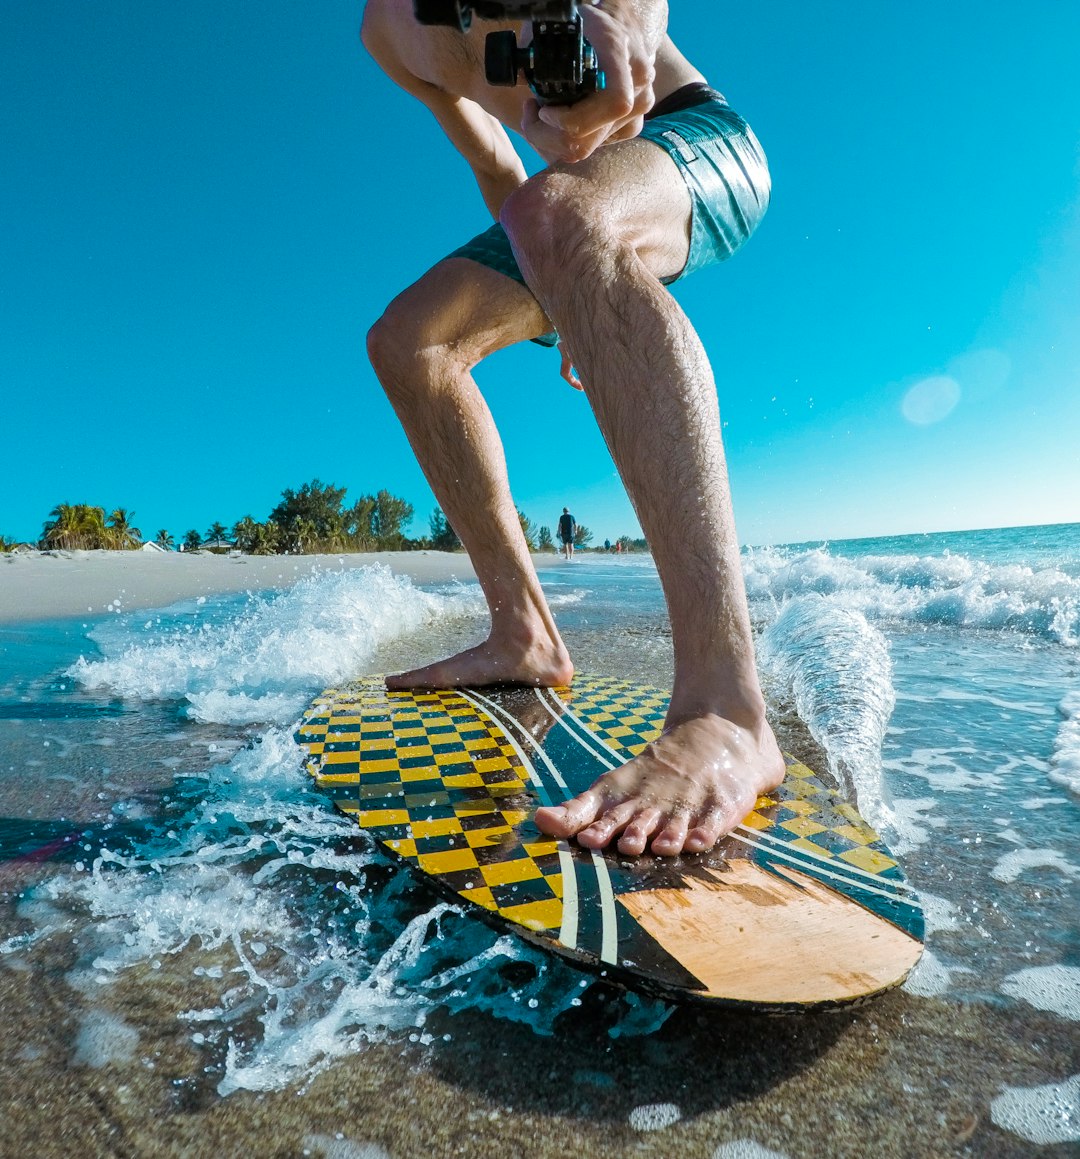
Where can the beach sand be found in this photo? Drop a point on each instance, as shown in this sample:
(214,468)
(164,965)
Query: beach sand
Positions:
(52,584)
(907,1075)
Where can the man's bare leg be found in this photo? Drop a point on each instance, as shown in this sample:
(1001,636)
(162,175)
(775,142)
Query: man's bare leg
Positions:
(592,240)
(423,350)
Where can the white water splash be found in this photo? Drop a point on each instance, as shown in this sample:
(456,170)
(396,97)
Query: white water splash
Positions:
(949,589)
(836,668)
(262,665)
(312,944)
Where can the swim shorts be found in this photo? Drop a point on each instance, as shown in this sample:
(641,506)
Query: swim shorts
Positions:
(720,160)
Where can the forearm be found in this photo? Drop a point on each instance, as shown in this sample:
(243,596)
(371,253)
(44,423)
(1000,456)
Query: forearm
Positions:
(649,16)
(496,187)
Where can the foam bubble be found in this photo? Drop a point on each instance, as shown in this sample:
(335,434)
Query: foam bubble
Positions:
(1043,1115)
(317,942)
(1053,988)
(338,1147)
(910,821)
(951,589)
(654,1116)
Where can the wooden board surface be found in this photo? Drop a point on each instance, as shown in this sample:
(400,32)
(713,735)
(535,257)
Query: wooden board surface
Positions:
(801,907)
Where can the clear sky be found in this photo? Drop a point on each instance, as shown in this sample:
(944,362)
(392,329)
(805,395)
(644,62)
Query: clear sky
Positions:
(205,205)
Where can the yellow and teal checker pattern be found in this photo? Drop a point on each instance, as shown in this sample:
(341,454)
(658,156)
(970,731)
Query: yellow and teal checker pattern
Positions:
(434,779)
(804,812)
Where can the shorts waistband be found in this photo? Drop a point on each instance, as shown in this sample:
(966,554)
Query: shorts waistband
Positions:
(695,93)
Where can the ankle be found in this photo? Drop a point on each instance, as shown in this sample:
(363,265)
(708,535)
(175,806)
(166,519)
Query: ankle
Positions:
(743,707)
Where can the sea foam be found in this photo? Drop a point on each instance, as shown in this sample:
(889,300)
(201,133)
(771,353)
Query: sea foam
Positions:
(1044,1115)
(1065,762)
(1054,988)
(949,589)
(261,665)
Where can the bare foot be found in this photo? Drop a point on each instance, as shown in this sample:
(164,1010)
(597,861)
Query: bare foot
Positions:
(541,665)
(688,789)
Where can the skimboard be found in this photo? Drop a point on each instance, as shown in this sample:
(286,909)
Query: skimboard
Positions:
(802,907)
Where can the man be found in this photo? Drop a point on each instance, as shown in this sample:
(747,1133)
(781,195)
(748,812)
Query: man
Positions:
(567,530)
(626,205)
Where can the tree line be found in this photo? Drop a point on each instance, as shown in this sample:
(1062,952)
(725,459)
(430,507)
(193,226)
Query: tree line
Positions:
(313,518)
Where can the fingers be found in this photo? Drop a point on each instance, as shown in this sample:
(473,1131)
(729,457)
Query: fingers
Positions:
(627,60)
(568,370)
(551,142)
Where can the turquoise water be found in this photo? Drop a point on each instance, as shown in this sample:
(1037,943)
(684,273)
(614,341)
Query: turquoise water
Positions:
(149,760)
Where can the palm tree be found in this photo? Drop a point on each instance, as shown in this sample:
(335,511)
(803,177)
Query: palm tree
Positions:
(75,525)
(192,540)
(266,539)
(215,532)
(243,533)
(304,535)
(544,542)
(164,539)
(121,532)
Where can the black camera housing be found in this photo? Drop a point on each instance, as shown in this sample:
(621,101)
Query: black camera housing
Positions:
(558,63)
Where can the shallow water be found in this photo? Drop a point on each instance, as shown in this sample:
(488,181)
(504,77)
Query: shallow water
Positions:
(214,933)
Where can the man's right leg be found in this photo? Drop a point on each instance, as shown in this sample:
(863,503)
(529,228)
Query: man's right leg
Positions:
(423,350)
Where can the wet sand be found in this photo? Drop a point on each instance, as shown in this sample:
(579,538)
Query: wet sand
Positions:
(903,1076)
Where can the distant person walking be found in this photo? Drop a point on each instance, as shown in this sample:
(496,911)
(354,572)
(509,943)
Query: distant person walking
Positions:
(567,531)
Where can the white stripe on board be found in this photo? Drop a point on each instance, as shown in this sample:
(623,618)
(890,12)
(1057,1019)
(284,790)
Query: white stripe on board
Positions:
(858,878)
(568,931)
(609,941)
(823,868)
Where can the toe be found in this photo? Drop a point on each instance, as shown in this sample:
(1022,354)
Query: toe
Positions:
(670,840)
(607,825)
(637,833)
(705,834)
(570,818)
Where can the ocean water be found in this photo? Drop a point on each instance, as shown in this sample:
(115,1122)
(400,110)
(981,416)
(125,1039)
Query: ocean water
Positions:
(158,824)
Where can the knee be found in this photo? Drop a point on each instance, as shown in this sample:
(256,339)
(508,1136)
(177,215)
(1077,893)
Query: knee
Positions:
(404,346)
(390,341)
(557,226)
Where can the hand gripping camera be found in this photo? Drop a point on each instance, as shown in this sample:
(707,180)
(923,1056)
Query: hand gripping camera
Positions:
(558,64)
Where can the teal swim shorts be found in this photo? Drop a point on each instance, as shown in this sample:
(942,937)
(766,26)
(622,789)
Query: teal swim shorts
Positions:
(722,164)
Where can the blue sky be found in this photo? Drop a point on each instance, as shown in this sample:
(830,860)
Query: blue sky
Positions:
(205,206)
